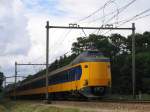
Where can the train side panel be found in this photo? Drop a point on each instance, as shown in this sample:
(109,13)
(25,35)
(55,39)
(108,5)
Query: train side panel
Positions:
(89,74)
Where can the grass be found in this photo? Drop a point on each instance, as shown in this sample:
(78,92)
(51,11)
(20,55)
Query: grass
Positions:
(24,106)
(2,108)
(39,108)
(35,106)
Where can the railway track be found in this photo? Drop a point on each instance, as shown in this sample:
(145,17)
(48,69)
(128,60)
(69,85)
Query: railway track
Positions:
(123,101)
(106,105)
(109,101)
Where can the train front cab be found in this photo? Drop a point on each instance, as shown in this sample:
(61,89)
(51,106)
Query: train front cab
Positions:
(96,78)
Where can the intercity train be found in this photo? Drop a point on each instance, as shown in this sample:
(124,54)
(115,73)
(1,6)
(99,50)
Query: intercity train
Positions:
(87,76)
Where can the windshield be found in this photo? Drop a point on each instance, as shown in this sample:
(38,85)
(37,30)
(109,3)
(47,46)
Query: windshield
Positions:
(95,54)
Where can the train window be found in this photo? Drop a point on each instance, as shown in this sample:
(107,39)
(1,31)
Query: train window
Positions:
(94,53)
(78,72)
(72,74)
(67,75)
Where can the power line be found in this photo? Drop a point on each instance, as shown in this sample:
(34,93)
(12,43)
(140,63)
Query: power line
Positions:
(133,18)
(109,1)
(142,17)
(120,10)
(116,15)
(137,18)
(105,7)
(84,32)
(93,13)
(137,15)
(62,40)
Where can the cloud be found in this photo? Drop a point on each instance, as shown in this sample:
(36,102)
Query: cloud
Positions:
(13,34)
(23,33)
(15,41)
(66,11)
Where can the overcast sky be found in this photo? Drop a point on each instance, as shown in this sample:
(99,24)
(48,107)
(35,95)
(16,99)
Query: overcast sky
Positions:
(23,33)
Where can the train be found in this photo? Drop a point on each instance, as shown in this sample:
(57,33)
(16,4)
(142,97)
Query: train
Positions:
(87,76)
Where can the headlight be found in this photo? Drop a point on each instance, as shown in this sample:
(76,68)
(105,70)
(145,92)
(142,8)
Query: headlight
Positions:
(85,82)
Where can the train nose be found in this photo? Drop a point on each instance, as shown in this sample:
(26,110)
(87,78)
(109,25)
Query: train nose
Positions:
(99,74)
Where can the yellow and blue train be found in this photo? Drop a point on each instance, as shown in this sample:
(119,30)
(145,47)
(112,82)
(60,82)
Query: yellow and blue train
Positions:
(87,76)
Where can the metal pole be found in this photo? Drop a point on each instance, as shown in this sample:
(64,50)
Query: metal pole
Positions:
(29,64)
(72,26)
(5,82)
(103,28)
(133,61)
(47,58)
(15,80)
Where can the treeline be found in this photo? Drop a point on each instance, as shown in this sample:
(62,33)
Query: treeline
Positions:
(1,80)
(118,48)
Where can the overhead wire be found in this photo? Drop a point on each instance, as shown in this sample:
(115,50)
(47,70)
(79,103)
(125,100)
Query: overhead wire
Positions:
(117,12)
(101,9)
(82,19)
(112,2)
(142,17)
(136,17)
(120,10)
(93,13)
(116,15)
(62,40)
(84,32)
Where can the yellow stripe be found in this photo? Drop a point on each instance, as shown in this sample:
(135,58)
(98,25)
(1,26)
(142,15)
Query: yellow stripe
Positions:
(74,85)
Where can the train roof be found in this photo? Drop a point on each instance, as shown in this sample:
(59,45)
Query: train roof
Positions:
(90,55)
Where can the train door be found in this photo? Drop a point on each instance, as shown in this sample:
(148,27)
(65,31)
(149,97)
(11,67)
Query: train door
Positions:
(72,78)
(86,74)
(78,73)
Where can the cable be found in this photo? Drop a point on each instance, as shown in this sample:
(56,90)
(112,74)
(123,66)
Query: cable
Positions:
(120,10)
(121,21)
(145,11)
(133,18)
(142,17)
(104,10)
(116,15)
(84,32)
(93,13)
(61,41)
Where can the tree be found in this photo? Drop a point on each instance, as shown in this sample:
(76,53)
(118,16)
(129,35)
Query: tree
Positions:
(1,80)
(118,48)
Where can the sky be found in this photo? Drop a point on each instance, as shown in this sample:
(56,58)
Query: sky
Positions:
(23,33)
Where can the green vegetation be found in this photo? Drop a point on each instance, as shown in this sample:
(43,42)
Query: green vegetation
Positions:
(1,80)
(118,49)
(26,106)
